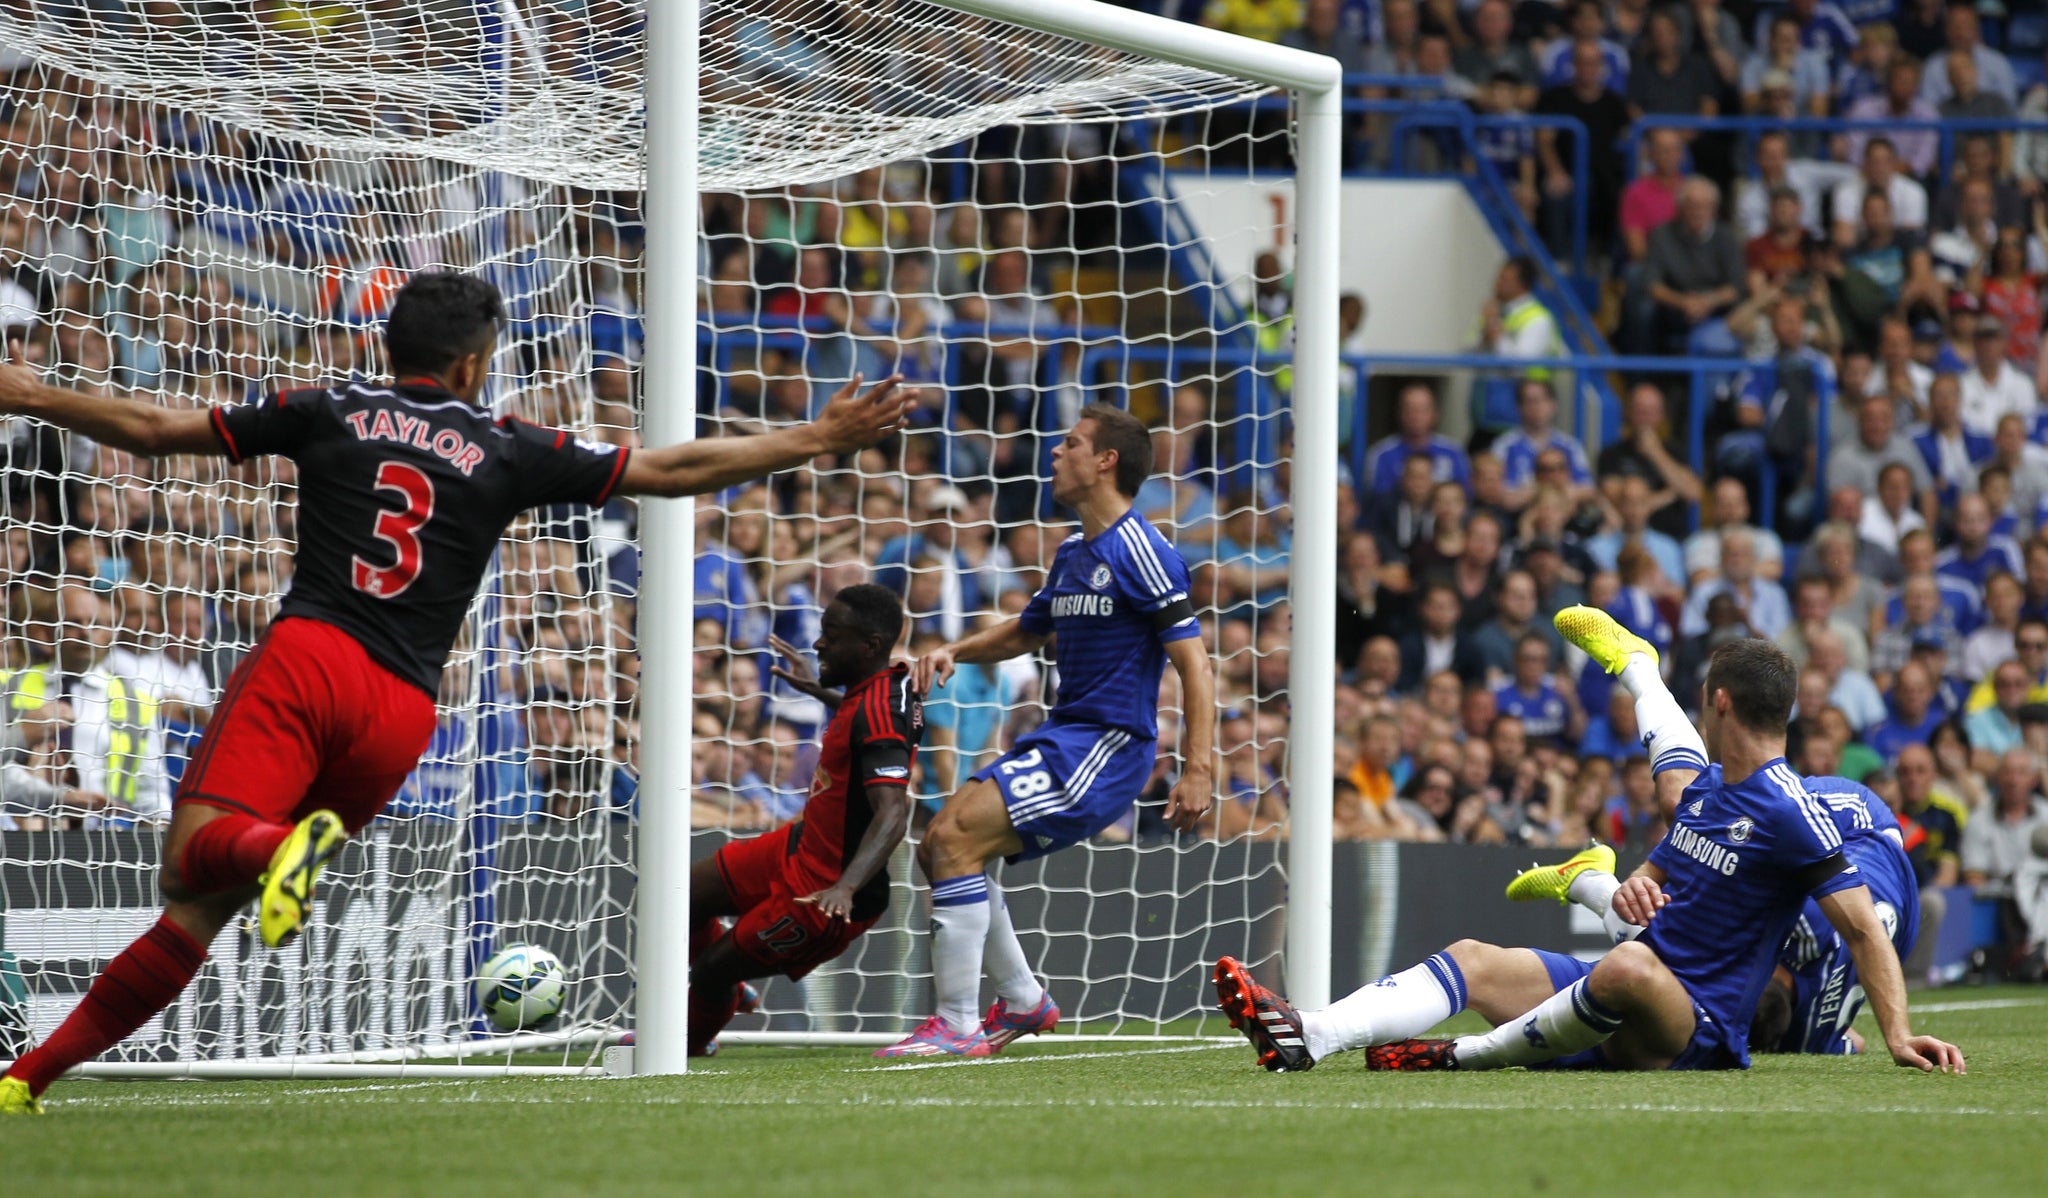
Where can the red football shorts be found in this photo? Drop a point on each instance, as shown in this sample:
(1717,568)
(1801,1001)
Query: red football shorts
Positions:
(788,937)
(309,721)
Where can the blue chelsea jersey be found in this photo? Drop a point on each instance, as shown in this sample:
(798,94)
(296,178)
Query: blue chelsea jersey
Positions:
(1739,862)
(1112,603)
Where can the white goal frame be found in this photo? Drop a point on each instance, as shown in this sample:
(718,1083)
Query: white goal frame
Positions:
(662,908)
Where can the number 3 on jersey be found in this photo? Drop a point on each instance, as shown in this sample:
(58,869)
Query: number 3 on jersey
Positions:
(1034,783)
(398,529)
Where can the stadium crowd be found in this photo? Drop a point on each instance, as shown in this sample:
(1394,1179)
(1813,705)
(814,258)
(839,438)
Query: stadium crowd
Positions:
(1905,566)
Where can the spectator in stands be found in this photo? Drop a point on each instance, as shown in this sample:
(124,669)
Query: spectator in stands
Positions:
(1949,450)
(1962,248)
(1642,451)
(1914,715)
(1776,168)
(1531,695)
(1779,52)
(1694,270)
(2012,295)
(1995,729)
(1921,618)
(1651,201)
(1993,386)
(1977,551)
(1916,149)
(1761,602)
(1839,557)
(1777,251)
(1880,175)
(1730,512)
(1520,448)
(1493,52)
(1590,99)
(1813,614)
(1586,25)
(2026,469)
(1894,372)
(1416,421)
(1633,509)
(1852,690)
(1998,845)
(1778,401)
(1322,31)
(1966,36)
(1668,77)
(1490,648)
(1434,644)
(1403,521)
(1966,101)
(1514,324)
(1892,263)
(1264,20)
(1877,444)
(1993,641)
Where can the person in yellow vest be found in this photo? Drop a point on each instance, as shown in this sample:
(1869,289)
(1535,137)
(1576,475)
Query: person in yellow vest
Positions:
(116,731)
(1514,324)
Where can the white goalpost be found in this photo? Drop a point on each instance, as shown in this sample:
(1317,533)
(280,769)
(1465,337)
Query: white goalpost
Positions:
(706,216)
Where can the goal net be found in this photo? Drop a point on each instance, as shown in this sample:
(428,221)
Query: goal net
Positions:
(201,201)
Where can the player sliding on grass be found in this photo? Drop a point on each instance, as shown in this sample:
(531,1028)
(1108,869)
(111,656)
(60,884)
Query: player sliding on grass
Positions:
(1116,605)
(806,891)
(405,489)
(1813,996)
(1747,845)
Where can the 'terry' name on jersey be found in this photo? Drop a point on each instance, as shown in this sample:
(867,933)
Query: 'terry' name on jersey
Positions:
(404,492)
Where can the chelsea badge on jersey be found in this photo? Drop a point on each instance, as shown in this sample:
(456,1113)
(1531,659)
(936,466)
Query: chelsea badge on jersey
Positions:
(1100,578)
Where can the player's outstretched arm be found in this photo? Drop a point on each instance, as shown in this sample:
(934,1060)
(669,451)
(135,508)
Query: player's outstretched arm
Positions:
(850,422)
(1196,789)
(122,422)
(997,642)
(801,674)
(892,821)
(1884,983)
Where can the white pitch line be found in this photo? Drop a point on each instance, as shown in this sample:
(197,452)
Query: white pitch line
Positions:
(1981,1004)
(1392,1103)
(1042,1056)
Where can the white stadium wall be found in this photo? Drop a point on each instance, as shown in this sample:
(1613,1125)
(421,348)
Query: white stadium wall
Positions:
(1418,250)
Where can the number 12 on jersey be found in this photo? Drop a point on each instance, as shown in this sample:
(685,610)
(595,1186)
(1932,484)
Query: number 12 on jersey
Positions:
(399,529)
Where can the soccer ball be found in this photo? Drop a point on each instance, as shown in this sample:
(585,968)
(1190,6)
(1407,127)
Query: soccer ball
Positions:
(521,987)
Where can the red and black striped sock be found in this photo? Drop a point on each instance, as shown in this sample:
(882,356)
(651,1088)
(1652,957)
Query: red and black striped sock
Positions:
(229,852)
(136,985)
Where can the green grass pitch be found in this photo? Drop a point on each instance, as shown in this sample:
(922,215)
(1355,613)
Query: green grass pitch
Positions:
(1070,1119)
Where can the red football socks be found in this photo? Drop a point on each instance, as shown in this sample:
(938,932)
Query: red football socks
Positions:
(136,985)
(229,852)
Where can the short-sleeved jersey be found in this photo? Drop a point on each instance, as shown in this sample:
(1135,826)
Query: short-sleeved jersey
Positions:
(403,493)
(871,741)
(1826,996)
(1544,714)
(1113,603)
(1739,861)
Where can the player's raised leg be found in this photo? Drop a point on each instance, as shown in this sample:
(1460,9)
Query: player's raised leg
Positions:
(1587,878)
(1678,753)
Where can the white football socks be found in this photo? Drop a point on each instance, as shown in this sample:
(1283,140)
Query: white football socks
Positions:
(1594,891)
(960,919)
(1015,983)
(1673,741)
(1567,1022)
(1396,1007)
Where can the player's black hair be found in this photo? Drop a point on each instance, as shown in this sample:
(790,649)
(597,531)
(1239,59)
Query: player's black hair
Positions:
(1116,429)
(1761,681)
(438,317)
(875,610)
(1773,1018)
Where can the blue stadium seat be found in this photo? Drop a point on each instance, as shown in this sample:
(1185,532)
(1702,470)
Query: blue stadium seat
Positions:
(2026,33)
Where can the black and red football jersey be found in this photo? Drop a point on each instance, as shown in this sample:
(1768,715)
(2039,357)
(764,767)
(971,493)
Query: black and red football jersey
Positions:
(404,492)
(871,741)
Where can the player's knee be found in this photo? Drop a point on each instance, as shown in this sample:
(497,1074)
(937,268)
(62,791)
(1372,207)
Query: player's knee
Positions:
(1627,969)
(1473,956)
